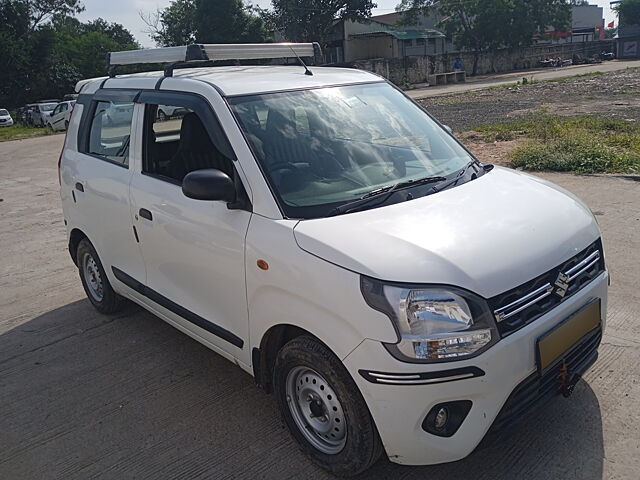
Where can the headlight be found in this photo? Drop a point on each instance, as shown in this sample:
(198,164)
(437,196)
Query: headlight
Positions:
(435,324)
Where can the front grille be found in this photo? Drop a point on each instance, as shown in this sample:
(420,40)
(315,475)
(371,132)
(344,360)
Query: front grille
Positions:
(534,391)
(522,305)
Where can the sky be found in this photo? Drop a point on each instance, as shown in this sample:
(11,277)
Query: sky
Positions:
(126,12)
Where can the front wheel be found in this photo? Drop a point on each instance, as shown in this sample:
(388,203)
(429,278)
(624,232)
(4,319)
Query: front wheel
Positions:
(323,408)
(94,280)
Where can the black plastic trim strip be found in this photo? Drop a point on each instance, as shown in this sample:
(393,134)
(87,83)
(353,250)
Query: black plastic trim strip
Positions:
(427,378)
(178,309)
(116,95)
(159,83)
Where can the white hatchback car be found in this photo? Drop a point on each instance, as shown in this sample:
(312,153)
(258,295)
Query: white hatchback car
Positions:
(319,229)
(5,118)
(58,119)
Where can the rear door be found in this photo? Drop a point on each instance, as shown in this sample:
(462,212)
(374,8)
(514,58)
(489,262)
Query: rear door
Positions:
(100,176)
(193,250)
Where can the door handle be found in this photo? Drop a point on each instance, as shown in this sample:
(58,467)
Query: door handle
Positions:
(144,213)
(79,187)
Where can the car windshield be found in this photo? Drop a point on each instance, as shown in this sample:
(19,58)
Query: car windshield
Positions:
(325,147)
(47,107)
(3,112)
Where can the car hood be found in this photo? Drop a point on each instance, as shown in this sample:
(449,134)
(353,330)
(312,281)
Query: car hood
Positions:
(488,235)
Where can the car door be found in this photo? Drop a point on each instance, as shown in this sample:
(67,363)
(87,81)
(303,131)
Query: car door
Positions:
(100,175)
(193,250)
(58,116)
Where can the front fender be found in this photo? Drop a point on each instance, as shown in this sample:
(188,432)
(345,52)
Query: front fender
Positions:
(305,291)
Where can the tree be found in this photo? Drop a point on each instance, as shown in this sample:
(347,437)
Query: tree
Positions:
(313,20)
(41,11)
(628,11)
(45,51)
(84,46)
(485,25)
(175,25)
(206,21)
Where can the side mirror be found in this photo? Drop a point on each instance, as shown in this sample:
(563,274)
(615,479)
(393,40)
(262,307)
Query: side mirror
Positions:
(209,184)
(51,114)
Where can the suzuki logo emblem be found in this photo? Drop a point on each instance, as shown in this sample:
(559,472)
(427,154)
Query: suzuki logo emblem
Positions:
(562,284)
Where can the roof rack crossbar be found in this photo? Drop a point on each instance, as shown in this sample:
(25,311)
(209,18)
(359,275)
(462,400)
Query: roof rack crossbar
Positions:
(197,53)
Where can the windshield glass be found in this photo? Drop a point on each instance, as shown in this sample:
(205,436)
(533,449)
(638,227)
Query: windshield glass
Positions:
(47,107)
(3,112)
(325,147)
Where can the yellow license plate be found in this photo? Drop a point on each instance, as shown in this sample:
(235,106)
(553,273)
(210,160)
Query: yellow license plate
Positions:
(555,343)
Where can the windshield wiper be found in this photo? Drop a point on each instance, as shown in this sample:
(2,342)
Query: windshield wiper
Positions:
(461,174)
(381,194)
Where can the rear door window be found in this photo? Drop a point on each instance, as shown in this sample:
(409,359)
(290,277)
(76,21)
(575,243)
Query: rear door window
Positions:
(110,131)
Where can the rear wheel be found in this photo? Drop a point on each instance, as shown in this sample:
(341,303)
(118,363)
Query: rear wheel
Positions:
(66,125)
(162,116)
(324,409)
(94,280)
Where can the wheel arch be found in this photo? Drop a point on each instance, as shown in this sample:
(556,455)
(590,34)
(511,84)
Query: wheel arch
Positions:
(75,237)
(263,359)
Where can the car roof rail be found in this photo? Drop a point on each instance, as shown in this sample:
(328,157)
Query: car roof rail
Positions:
(199,54)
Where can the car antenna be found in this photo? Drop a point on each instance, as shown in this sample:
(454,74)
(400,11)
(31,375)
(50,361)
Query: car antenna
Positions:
(306,69)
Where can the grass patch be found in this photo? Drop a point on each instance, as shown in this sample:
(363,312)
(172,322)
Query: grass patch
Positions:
(19,132)
(585,144)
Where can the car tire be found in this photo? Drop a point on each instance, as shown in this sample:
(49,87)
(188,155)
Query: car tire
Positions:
(66,125)
(324,409)
(94,280)
(162,116)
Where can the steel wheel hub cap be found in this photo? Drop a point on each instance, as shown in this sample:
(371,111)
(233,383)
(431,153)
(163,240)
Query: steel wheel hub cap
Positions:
(93,277)
(316,410)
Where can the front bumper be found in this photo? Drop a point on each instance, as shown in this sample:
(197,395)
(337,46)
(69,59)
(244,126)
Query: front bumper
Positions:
(399,410)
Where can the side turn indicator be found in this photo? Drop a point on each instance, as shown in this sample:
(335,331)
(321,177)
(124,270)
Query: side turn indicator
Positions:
(262,265)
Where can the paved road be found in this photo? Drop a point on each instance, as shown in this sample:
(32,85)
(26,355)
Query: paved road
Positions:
(117,397)
(488,81)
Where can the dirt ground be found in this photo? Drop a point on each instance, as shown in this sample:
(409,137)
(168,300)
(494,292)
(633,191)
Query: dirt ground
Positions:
(613,95)
(117,397)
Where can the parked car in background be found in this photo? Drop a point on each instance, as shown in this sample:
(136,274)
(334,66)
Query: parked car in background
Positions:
(5,118)
(116,113)
(59,118)
(21,115)
(38,112)
(165,112)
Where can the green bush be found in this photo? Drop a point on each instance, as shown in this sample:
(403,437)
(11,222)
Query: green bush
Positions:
(575,155)
(585,144)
